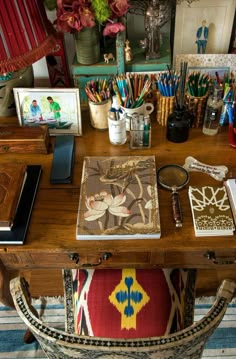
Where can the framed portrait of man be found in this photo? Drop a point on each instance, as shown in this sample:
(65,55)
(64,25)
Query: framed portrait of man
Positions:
(203,27)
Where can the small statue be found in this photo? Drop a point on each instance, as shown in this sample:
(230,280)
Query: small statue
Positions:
(128,52)
(108,57)
(155,17)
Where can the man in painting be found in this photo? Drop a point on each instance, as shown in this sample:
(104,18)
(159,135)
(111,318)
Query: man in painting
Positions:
(35,110)
(202,37)
(55,108)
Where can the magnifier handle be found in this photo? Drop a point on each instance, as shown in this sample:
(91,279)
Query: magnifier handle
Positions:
(177,213)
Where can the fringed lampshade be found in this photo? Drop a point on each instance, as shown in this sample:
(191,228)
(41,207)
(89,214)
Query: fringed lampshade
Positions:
(26,35)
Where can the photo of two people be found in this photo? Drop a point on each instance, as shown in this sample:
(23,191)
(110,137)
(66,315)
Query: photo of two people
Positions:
(58,109)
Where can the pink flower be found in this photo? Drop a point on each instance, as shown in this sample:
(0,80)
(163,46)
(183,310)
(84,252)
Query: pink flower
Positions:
(74,15)
(98,204)
(112,29)
(68,21)
(119,7)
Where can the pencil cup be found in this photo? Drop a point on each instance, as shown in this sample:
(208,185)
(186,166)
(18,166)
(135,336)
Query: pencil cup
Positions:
(98,114)
(145,109)
(196,106)
(165,107)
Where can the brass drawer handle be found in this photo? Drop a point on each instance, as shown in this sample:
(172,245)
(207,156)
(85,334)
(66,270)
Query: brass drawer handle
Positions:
(76,258)
(224,261)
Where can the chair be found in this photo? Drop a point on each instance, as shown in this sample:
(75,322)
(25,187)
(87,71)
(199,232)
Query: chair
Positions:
(58,344)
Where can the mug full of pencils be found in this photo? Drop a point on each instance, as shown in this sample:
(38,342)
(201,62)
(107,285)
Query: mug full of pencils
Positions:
(99,101)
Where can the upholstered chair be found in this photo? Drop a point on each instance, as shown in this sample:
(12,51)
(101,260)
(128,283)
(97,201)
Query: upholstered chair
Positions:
(114,314)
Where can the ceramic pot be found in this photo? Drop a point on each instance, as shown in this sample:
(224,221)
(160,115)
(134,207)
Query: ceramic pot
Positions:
(178,125)
(87,46)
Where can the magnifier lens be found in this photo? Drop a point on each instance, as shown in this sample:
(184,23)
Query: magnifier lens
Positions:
(173,177)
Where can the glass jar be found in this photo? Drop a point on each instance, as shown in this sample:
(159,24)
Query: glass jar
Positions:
(212,113)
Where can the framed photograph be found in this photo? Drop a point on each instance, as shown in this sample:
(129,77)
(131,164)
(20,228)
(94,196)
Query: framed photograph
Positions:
(208,63)
(59,109)
(203,27)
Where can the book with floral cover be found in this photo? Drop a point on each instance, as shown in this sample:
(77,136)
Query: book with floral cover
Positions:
(118,198)
(211,211)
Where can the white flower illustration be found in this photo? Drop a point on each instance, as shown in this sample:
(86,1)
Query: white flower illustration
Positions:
(98,204)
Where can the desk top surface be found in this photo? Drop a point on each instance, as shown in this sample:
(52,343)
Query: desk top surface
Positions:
(53,222)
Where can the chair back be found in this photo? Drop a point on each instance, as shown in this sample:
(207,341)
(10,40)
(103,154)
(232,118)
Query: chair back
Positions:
(187,343)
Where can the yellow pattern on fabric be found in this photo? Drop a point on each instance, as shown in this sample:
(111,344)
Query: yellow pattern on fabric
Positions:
(129,298)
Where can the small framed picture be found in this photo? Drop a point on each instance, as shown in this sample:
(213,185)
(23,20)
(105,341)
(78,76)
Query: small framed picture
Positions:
(59,109)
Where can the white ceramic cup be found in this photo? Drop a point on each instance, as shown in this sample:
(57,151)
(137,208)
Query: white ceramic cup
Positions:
(145,109)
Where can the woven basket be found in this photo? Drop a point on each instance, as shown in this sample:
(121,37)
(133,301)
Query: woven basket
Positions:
(165,107)
(196,106)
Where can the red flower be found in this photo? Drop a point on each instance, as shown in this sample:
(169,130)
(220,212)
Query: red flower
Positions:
(74,15)
(68,21)
(119,7)
(112,29)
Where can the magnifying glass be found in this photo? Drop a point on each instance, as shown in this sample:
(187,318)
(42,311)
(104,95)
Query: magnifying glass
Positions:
(173,178)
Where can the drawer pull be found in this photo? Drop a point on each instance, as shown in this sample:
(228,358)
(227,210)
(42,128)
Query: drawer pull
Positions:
(76,258)
(220,261)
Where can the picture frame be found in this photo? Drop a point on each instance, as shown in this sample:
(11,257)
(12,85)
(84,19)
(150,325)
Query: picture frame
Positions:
(57,108)
(208,63)
(218,16)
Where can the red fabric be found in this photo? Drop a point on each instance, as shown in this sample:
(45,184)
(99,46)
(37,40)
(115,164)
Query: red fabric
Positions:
(97,314)
(26,34)
(151,320)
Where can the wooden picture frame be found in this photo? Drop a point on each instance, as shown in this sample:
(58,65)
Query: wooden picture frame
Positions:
(219,16)
(64,117)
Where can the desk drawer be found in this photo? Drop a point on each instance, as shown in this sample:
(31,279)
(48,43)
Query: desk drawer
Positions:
(197,259)
(72,260)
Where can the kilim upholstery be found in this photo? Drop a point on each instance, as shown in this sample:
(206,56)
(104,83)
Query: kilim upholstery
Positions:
(187,343)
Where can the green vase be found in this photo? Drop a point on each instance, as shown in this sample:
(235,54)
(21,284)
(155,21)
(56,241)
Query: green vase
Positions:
(87,46)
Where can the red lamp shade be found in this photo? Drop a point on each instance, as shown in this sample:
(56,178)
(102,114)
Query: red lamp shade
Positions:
(26,34)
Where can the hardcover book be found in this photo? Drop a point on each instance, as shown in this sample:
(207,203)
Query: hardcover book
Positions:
(18,232)
(12,176)
(118,198)
(211,211)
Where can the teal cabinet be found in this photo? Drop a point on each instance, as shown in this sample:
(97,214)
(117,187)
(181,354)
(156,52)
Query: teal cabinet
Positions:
(84,73)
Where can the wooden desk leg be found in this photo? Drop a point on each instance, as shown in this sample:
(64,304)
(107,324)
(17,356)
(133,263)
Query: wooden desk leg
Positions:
(6,298)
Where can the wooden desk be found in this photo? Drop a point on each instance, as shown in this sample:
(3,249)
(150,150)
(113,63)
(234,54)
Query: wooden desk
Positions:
(51,239)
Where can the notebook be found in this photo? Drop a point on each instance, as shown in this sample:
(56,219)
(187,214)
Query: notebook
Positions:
(211,211)
(118,198)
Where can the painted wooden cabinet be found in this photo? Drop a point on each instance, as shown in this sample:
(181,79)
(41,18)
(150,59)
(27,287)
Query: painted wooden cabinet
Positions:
(84,73)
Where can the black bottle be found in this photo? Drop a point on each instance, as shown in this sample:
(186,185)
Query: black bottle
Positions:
(178,124)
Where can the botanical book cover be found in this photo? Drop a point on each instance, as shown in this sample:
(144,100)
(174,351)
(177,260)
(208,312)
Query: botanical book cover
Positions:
(118,198)
(211,211)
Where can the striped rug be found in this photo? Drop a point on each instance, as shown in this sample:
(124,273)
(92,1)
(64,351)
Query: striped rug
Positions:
(222,344)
